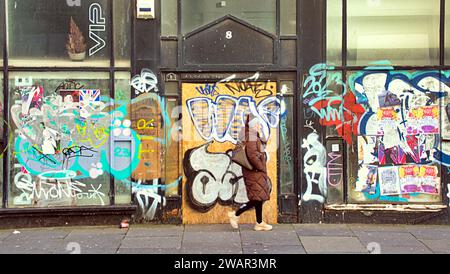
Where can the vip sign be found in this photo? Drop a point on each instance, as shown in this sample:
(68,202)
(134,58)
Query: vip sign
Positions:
(97,26)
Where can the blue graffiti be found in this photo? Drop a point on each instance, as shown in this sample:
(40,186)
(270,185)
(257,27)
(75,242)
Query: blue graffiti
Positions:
(223,119)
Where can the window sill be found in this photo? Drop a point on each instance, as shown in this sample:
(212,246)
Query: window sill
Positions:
(386,207)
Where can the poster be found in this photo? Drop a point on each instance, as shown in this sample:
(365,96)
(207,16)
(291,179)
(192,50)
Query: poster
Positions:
(388,119)
(367,179)
(423,119)
(367,150)
(88,100)
(409,179)
(70,96)
(388,99)
(429,181)
(389,181)
(32,97)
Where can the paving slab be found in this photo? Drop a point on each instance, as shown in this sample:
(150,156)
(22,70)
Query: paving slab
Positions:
(441,246)
(149,251)
(33,246)
(211,237)
(5,234)
(332,245)
(151,242)
(210,249)
(405,250)
(98,231)
(155,231)
(269,238)
(95,241)
(377,228)
(387,238)
(39,234)
(209,228)
(270,249)
(323,230)
(430,233)
(277,227)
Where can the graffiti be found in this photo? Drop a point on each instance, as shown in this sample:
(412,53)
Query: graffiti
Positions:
(145,82)
(223,119)
(77,151)
(286,145)
(334,169)
(208,89)
(333,109)
(212,178)
(97,26)
(68,141)
(259,89)
(148,199)
(315,161)
(143,124)
(69,85)
(45,191)
(89,101)
(310,125)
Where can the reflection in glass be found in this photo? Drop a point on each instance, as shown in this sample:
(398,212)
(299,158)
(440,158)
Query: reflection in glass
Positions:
(288,17)
(404,34)
(60,148)
(196,13)
(334,32)
(39,32)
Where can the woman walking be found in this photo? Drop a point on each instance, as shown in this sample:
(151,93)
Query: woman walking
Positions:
(257,182)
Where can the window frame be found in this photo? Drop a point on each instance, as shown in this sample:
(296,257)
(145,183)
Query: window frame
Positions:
(346,70)
(112,69)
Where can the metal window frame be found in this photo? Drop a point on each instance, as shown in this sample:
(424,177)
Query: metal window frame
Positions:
(345,69)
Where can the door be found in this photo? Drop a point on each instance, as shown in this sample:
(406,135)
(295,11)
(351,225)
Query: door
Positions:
(213,116)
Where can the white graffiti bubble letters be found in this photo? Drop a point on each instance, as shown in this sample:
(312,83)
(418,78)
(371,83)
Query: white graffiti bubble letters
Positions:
(145,82)
(213,177)
(233,111)
(97,26)
(315,161)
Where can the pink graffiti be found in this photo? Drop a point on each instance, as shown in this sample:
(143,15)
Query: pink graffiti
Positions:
(334,169)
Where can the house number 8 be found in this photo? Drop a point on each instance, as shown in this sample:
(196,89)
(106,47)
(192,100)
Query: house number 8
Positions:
(229,35)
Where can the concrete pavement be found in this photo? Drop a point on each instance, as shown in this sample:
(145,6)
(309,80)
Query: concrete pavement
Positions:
(222,239)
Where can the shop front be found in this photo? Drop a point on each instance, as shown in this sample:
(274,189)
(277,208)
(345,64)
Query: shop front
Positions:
(110,113)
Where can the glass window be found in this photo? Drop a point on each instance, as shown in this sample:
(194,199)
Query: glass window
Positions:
(173,170)
(447,33)
(402,32)
(123,98)
(196,13)
(60,145)
(288,18)
(58,33)
(286,140)
(2,34)
(334,32)
(169,20)
(122,32)
(3,142)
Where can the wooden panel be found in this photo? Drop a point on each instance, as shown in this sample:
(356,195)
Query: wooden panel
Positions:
(212,118)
